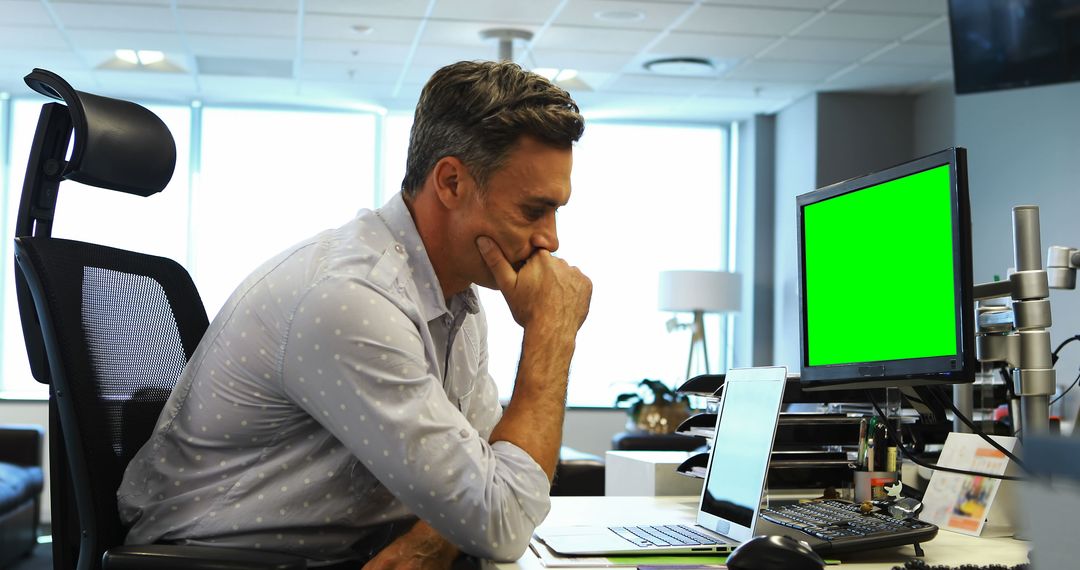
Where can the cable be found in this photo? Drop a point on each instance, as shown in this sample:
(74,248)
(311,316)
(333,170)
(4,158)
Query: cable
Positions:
(1054,355)
(976,429)
(920,463)
(1062,395)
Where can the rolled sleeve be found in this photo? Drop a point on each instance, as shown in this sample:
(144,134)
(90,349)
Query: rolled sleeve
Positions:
(356,362)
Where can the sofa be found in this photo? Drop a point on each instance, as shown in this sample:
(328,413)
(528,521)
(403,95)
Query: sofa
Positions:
(21,483)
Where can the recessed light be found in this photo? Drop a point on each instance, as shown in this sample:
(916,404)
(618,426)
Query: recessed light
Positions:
(361,29)
(683,66)
(127,55)
(621,16)
(150,56)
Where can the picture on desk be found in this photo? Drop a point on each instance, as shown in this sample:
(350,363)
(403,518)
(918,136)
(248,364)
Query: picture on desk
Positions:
(962,503)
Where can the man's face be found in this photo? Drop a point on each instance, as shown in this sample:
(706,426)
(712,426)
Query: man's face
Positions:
(517,208)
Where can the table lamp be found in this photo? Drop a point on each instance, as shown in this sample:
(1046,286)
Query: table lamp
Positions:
(698,292)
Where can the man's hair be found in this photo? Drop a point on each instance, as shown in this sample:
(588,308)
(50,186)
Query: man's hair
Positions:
(477,110)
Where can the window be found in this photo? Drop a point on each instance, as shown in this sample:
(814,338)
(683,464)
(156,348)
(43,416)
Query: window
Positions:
(268,179)
(645,199)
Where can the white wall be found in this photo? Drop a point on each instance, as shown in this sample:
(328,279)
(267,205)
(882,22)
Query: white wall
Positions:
(1024,148)
(796,159)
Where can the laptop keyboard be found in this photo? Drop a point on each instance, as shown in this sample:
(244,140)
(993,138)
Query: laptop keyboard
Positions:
(664,535)
(837,520)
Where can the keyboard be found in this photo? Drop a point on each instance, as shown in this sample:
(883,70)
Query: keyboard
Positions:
(665,535)
(843,527)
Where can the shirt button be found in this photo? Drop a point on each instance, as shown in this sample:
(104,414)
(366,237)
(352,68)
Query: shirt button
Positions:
(464,433)
(399,248)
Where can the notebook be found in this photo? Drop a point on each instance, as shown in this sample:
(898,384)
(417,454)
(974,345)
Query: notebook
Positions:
(734,482)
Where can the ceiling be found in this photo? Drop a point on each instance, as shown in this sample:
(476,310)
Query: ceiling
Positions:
(766,53)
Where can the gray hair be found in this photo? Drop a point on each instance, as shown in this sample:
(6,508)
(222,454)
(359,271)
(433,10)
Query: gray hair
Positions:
(477,110)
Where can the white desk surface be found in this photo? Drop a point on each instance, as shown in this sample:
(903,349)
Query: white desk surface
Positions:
(946,548)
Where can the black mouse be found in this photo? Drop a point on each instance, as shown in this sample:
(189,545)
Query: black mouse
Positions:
(774,553)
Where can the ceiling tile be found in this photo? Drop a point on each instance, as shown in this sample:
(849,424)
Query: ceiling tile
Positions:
(242,46)
(257,5)
(216,88)
(45,59)
(796,4)
(644,83)
(882,77)
(784,71)
(114,17)
(917,54)
(440,55)
(594,39)
(202,21)
(937,34)
(772,90)
(346,93)
(356,52)
(134,39)
(652,15)
(503,11)
(719,48)
(919,7)
(24,13)
(579,60)
(400,8)
(358,72)
(844,51)
(340,27)
(30,38)
(836,25)
(452,32)
(746,21)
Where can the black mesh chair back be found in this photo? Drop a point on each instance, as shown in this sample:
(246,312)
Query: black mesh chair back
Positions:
(118,328)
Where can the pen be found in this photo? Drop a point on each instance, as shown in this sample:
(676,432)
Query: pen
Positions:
(860,463)
(870,443)
(880,445)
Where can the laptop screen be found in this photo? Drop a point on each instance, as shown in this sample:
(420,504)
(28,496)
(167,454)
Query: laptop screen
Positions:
(739,460)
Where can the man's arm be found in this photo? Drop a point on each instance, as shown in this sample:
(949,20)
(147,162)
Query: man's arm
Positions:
(550,300)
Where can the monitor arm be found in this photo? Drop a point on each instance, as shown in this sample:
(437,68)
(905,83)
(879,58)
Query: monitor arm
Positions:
(1015,331)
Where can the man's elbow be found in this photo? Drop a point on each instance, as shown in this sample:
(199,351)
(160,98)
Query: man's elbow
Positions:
(507,551)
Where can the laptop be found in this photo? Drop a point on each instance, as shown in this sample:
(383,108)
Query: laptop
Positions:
(731,496)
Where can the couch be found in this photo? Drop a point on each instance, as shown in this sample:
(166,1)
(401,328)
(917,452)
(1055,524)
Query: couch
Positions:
(21,482)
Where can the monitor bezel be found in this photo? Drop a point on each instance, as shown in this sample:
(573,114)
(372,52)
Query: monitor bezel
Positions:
(902,372)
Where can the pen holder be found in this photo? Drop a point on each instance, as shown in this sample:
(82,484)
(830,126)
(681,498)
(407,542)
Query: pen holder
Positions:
(870,485)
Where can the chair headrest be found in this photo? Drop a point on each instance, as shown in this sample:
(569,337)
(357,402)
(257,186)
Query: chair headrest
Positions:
(118,145)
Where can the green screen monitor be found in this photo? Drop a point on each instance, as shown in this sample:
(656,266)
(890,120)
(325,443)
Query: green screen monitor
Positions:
(885,278)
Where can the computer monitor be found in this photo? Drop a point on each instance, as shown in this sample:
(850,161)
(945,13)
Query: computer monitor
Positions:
(885,278)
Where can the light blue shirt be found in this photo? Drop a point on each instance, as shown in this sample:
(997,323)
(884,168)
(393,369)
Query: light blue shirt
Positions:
(336,392)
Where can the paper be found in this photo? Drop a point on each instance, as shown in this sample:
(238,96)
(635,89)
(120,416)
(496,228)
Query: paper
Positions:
(961,503)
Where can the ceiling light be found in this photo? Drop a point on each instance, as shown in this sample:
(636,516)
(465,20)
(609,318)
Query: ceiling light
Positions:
(621,16)
(150,56)
(361,29)
(127,55)
(548,73)
(682,66)
(566,75)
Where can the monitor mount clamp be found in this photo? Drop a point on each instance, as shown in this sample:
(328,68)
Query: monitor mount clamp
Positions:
(1015,332)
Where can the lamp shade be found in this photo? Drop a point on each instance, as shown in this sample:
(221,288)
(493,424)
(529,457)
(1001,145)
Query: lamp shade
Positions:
(708,291)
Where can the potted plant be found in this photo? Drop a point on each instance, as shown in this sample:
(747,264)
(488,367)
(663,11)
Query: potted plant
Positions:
(654,407)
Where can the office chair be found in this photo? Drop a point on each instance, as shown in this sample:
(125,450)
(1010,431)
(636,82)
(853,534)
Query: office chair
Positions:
(109,330)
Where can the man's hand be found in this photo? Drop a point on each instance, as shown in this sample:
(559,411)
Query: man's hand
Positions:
(422,548)
(546,291)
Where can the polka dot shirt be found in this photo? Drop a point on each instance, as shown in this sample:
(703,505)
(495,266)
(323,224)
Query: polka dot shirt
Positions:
(337,391)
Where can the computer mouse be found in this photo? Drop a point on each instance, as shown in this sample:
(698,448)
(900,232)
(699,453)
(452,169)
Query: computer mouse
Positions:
(774,553)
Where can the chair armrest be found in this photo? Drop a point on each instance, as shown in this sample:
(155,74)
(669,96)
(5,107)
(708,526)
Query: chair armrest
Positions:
(174,557)
(22,445)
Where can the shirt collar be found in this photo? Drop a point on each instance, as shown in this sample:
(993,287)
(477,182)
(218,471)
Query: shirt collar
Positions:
(397,217)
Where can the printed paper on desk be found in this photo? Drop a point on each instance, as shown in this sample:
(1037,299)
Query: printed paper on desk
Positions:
(963,503)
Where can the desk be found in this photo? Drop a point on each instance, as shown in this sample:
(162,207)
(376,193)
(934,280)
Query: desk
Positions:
(947,548)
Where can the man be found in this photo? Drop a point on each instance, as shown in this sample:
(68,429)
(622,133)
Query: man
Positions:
(339,406)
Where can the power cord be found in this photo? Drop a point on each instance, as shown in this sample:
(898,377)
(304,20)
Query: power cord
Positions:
(948,403)
(1054,355)
(910,457)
